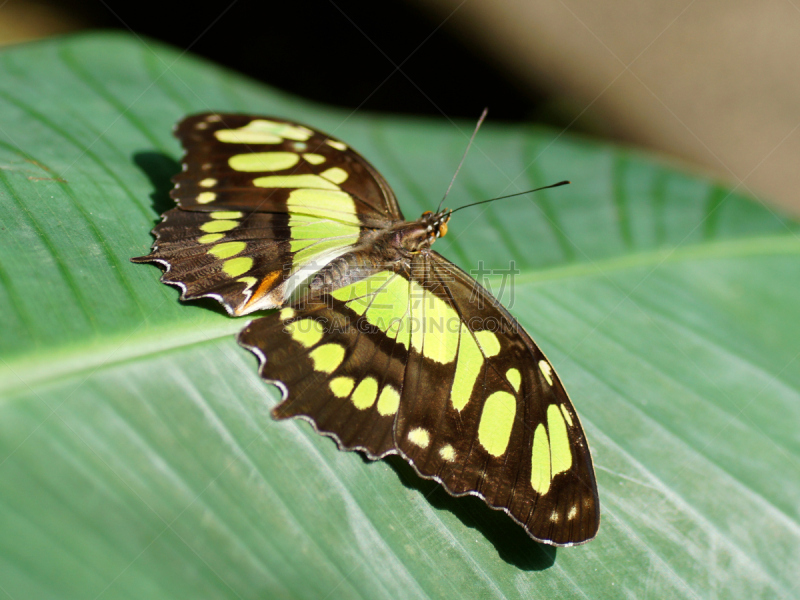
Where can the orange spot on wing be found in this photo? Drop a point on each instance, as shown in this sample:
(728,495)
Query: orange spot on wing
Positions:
(263,289)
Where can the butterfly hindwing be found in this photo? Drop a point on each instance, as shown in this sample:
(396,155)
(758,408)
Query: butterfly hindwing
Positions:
(494,419)
(262,203)
(425,363)
(335,369)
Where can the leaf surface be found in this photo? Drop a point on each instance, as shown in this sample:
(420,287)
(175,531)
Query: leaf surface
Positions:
(137,455)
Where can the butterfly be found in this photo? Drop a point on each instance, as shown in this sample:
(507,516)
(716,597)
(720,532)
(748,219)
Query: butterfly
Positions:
(378,341)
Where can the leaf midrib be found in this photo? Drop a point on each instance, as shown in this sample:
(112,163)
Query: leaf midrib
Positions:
(36,369)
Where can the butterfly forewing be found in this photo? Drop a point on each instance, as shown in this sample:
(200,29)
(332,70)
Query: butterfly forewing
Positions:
(413,358)
(253,163)
(262,204)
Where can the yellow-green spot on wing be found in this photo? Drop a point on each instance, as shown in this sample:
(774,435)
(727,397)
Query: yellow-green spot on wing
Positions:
(540,461)
(514,378)
(447,452)
(335,144)
(242,136)
(325,204)
(371,291)
(365,393)
(341,386)
(236,266)
(468,367)
(210,238)
(263,131)
(396,327)
(497,420)
(295,181)
(305,331)
(433,330)
(314,159)
(227,249)
(312,237)
(286,313)
(567,416)
(489,342)
(547,371)
(208,182)
(419,437)
(388,401)
(248,281)
(335,174)
(218,226)
(308,231)
(263,161)
(226,214)
(383,300)
(321,222)
(327,357)
(560,452)
(206,197)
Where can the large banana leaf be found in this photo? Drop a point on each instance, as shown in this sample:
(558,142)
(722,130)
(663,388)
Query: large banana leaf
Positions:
(137,455)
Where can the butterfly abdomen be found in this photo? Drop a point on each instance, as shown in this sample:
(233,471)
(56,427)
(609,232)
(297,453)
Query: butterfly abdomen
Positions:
(348,269)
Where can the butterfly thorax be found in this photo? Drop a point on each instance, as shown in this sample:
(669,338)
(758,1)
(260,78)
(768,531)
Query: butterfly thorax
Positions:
(420,234)
(382,249)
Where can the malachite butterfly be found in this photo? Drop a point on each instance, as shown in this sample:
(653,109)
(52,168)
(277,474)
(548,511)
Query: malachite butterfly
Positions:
(378,341)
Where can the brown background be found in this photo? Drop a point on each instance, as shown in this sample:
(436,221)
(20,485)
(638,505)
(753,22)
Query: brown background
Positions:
(712,83)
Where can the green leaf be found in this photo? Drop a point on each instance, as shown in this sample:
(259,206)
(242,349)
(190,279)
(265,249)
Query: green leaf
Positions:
(137,455)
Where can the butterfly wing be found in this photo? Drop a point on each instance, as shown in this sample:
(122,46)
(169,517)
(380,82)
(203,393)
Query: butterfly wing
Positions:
(425,363)
(484,412)
(335,370)
(262,204)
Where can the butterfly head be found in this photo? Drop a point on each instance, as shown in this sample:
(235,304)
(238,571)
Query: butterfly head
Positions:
(435,223)
(420,234)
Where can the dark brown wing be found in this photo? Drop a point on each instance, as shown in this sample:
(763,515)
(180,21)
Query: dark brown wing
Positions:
(335,368)
(499,423)
(425,363)
(262,203)
(211,140)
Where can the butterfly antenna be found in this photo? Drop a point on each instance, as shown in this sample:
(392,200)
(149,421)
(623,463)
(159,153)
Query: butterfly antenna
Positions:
(463,158)
(546,187)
